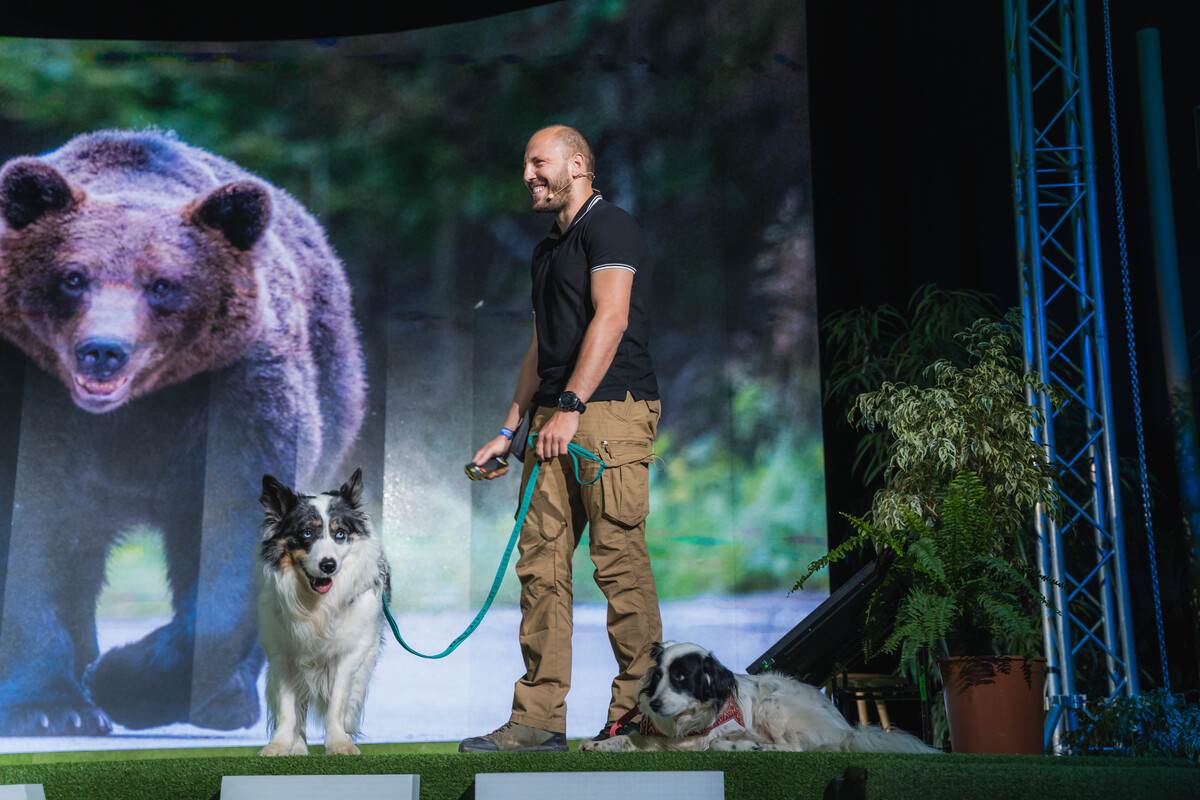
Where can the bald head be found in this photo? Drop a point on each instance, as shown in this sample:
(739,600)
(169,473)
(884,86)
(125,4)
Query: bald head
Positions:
(571,142)
(558,170)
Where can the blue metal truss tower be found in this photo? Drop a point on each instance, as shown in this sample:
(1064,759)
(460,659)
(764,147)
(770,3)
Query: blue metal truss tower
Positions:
(1087,625)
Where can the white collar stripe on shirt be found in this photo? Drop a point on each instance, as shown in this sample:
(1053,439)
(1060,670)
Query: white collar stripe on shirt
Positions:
(595,199)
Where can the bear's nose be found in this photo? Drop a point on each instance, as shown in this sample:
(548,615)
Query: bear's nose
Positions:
(101,358)
(327,565)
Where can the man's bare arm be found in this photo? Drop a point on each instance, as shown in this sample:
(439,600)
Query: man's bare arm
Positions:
(611,291)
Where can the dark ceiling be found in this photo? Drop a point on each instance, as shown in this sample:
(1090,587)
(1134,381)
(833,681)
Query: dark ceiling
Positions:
(227,21)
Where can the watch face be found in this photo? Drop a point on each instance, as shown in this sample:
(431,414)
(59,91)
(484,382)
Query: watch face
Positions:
(567,400)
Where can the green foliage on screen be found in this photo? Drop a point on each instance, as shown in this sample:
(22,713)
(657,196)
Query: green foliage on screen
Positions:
(407,148)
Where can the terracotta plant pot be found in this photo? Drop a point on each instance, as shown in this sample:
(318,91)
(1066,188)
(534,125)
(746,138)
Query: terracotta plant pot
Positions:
(994,704)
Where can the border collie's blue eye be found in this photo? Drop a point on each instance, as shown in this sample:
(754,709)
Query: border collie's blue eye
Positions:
(306,534)
(340,536)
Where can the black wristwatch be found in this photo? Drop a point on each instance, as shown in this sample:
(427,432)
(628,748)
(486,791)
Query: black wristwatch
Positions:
(569,401)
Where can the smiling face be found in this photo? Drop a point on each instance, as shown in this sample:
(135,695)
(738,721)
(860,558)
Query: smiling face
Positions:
(312,535)
(549,166)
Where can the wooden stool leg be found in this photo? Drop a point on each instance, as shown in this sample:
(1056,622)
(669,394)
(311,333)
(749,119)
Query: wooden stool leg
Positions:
(884,721)
(863,717)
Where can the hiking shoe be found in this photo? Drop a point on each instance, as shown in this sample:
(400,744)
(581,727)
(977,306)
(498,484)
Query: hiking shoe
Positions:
(513,737)
(607,731)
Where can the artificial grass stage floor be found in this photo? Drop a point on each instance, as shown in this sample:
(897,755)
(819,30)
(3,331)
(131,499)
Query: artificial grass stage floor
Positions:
(141,754)
(757,776)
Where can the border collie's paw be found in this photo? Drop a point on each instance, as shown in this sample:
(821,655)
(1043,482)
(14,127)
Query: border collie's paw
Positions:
(734,745)
(613,744)
(296,748)
(341,747)
(54,718)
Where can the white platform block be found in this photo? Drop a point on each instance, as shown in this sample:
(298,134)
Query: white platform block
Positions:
(22,791)
(598,785)
(344,787)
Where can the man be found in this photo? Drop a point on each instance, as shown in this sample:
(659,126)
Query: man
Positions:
(589,376)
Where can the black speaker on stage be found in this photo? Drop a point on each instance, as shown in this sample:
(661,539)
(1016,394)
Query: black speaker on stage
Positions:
(828,638)
(826,649)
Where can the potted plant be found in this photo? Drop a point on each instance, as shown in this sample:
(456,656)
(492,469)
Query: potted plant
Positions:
(961,482)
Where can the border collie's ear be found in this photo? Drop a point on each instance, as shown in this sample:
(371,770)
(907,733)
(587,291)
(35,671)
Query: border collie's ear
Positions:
(719,682)
(351,490)
(276,498)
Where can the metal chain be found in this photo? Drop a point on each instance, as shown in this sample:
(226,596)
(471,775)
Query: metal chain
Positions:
(1135,390)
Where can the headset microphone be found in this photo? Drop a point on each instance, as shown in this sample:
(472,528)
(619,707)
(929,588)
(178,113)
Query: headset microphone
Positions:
(558,190)
(550,194)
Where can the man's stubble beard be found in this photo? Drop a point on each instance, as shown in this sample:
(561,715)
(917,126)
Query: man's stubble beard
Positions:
(553,206)
(558,196)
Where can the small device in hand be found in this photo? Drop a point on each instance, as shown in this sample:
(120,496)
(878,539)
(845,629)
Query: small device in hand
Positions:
(478,472)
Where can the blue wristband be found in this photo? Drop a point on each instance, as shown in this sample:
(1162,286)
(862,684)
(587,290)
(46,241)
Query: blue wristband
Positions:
(507,434)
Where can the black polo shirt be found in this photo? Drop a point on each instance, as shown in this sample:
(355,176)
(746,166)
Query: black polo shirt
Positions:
(600,237)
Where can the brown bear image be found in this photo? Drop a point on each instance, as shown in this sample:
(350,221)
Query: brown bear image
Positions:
(192,330)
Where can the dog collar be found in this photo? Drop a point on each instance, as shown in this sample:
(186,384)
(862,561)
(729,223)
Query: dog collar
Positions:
(729,719)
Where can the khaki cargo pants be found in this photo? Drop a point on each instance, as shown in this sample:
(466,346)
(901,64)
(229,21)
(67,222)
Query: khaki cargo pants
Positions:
(614,510)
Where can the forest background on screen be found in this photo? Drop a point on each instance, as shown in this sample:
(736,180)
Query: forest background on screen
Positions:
(406,148)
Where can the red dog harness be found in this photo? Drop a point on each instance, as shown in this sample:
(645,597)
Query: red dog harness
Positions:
(730,719)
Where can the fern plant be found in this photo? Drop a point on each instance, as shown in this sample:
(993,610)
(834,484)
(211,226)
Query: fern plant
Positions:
(967,595)
(961,481)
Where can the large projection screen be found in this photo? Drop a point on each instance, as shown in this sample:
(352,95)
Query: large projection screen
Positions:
(133,521)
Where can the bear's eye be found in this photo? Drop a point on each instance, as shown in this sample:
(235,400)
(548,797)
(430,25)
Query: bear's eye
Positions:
(165,296)
(74,282)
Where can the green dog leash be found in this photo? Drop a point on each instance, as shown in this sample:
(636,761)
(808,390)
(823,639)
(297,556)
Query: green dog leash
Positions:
(575,452)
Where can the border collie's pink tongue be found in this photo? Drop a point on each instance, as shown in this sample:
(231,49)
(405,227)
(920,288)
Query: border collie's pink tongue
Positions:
(322,585)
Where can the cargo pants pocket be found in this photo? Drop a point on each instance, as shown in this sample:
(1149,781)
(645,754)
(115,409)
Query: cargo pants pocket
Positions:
(625,482)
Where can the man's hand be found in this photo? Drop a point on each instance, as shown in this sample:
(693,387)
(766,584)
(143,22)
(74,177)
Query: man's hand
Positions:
(556,434)
(496,447)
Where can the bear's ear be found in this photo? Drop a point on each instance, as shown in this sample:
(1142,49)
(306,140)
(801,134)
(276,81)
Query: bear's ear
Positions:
(351,490)
(276,498)
(30,189)
(240,211)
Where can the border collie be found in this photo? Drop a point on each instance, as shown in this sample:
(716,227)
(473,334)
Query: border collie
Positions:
(689,701)
(320,617)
